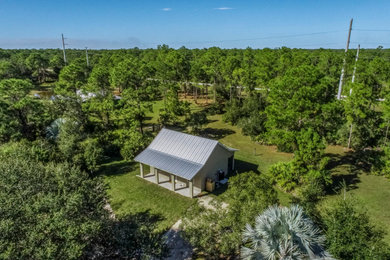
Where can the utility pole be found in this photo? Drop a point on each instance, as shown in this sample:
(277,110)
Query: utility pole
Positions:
(345,56)
(63,47)
(86,55)
(356,60)
(350,92)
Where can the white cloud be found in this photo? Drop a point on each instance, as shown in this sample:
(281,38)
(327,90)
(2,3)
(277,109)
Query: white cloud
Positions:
(166,9)
(223,8)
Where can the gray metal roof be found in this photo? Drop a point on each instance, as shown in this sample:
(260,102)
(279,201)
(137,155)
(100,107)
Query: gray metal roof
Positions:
(178,153)
(169,163)
(189,147)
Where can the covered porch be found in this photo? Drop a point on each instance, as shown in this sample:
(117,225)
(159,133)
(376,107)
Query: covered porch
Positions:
(169,181)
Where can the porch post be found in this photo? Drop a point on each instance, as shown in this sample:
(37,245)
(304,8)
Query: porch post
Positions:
(157,176)
(141,169)
(191,188)
(173,179)
(233,163)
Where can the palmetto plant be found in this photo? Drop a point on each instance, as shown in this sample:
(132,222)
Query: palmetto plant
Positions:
(53,130)
(283,233)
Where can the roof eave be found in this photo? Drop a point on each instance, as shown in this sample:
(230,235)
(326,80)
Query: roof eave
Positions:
(227,147)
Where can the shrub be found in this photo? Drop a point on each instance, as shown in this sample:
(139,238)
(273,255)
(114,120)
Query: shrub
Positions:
(253,125)
(381,165)
(92,153)
(350,234)
(250,193)
(233,112)
(308,196)
(196,121)
(166,118)
(215,108)
(211,231)
(308,164)
(283,174)
(130,142)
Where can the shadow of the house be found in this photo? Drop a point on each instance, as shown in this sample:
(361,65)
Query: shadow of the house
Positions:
(243,166)
(240,167)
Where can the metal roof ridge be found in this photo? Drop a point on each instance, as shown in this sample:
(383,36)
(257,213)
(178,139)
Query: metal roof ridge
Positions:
(174,156)
(201,137)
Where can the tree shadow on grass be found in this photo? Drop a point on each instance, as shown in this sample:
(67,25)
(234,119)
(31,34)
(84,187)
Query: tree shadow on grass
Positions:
(116,167)
(337,160)
(346,168)
(134,236)
(216,133)
(143,218)
(209,121)
(361,161)
(339,181)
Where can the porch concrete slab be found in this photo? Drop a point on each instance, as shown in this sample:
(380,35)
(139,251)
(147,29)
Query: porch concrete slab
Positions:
(181,187)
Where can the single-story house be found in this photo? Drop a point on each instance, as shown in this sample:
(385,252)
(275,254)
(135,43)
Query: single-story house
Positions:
(183,162)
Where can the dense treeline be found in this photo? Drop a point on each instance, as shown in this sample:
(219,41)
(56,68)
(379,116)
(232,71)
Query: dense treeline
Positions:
(283,97)
(256,83)
(251,87)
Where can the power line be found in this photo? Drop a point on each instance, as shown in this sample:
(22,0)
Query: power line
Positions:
(319,44)
(257,38)
(371,30)
(379,43)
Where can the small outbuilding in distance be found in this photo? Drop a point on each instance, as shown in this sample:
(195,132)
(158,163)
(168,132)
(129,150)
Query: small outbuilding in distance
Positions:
(183,162)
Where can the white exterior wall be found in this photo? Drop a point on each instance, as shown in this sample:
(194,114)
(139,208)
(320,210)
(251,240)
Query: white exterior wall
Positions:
(217,160)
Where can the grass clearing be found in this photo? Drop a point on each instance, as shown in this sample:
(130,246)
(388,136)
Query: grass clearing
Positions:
(130,194)
(374,192)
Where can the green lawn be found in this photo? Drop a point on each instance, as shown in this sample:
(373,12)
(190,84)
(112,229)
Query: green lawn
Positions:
(152,117)
(130,194)
(374,192)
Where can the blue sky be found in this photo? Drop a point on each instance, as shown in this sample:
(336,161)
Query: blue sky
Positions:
(194,24)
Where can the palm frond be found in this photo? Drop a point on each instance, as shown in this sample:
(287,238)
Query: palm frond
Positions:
(53,130)
(283,233)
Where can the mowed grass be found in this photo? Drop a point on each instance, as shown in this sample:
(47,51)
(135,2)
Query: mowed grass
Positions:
(129,194)
(373,192)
